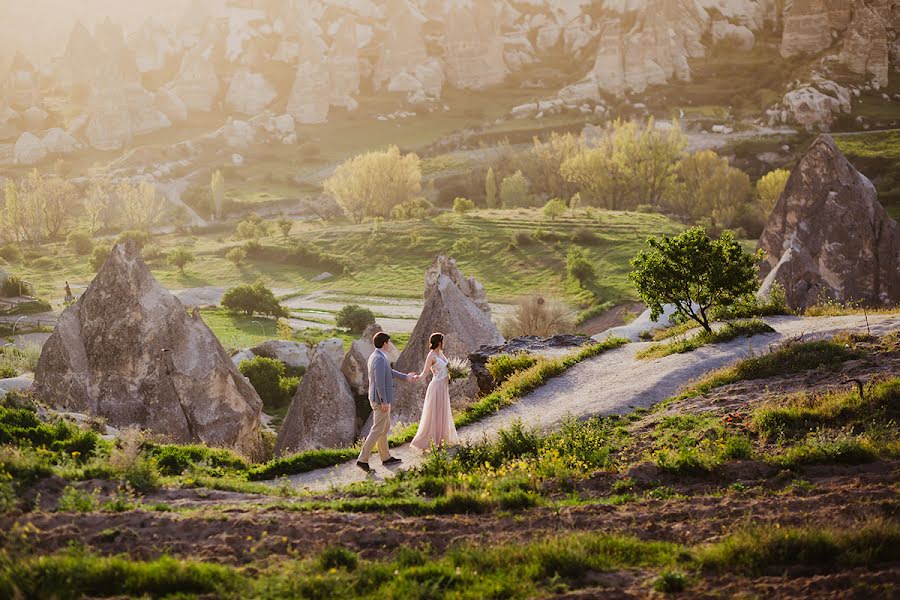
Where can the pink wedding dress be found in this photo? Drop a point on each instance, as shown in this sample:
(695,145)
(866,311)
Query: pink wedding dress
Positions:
(437,425)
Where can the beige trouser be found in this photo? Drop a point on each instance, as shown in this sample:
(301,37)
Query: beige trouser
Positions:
(381,424)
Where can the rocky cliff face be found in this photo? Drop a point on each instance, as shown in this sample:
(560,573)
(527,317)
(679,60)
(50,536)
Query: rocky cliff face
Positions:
(828,235)
(128,350)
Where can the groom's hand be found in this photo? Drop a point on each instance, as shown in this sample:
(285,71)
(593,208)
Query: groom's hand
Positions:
(412,377)
(384,407)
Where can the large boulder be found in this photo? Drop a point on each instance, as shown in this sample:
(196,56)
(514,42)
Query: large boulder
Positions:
(309,101)
(29,150)
(816,107)
(249,93)
(128,350)
(866,45)
(829,235)
(807,28)
(294,354)
(355,366)
(452,308)
(196,83)
(58,141)
(474,46)
(322,413)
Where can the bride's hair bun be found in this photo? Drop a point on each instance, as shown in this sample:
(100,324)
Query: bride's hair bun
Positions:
(435,340)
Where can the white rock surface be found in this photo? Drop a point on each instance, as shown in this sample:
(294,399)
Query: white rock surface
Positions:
(29,150)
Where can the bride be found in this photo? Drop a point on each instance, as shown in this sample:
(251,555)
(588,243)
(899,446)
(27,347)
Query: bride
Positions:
(436,426)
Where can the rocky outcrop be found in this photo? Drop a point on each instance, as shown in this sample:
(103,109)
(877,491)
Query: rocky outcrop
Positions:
(196,83)
(310,98)
(128,350)
(58,141)
(23,87)
(29,150)
(738,37)
(807,28)
(249,93)
(829,236)
(356,366)
(530,344)
(292,354)
(404,46)
(79,61)
(343,65)
(109,124)
(322,413)
(815,107)
(865,49)
(470,287)
(173,107)
(454,306)
(473,52)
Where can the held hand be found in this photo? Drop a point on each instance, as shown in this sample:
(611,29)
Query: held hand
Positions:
(412,377)
(384,407)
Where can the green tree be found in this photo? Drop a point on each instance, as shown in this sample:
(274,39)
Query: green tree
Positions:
(355,318)
(285,225)
(217,194)
(515,191)
(694,273)
(554,209)
(98,257)
(463,205)
(542,164)
(579,267)
(140,205)
(80,242)
(253,299)
(490,189)
(267,376)
(769,189)
(709,189)
(180,258)
(236,256)
(372,184)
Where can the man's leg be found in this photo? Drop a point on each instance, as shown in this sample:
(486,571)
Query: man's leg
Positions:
(383,451)
(378,419)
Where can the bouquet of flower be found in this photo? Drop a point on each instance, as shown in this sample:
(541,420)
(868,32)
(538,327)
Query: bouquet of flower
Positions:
(459,368)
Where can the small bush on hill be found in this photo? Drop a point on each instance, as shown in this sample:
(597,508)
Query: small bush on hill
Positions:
(180,258)
(355,318)
(140,238)
(10,253)
(537,316)
(236,256)
(267,376)
(463,205)
(80,242)
(253,299)
(580,268)
(501,366)
(98,257)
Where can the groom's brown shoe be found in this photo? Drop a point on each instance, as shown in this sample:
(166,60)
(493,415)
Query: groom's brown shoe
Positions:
(392,461)
(364,466)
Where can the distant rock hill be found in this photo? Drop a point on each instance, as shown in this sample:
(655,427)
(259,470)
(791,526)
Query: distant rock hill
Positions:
(304,59)
(828,236)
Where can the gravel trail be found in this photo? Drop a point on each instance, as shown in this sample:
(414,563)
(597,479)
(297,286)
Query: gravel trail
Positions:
(614,382)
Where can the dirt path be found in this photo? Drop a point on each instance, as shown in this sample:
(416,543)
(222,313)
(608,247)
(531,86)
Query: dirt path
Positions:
(612,383)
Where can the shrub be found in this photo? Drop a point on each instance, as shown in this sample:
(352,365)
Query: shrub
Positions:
(536,316)
(522,238)
(501,366)
(10,253)
(338,558)
(355,318)
(514,191)
(74,500)
(80,242)
(463,205)
(140,238)
(251,228)
(98,257)
(180,258)
(285,226)
(253,299)
(554,209)
(584,236)
(579,268)
(12,286)
(417,208)
(266,376)
(236,256)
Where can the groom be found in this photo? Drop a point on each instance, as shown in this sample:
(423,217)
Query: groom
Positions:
(381,397)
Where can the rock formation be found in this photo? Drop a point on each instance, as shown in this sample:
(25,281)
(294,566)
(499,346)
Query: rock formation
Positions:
(109,124)
(79,62)
(310,98)
(196,83)
(404,45)
(829,235)
(322,413)
(292,354)
(455,306)
(807,28)
(29,150)
(815,107)
(128,350)
(355,365)
(865,49)
(343,65)
(23,88)
(57,141)
(473,51)
(249,93)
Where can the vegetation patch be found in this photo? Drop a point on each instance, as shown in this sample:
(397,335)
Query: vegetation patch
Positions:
(727,333)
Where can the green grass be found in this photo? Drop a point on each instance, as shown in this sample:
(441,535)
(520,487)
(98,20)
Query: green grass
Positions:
(536,568)
(18,361)
(727,333)
(790,358)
